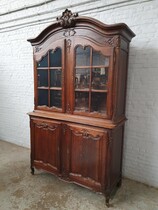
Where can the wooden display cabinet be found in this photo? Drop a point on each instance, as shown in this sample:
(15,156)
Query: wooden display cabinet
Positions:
(77,126)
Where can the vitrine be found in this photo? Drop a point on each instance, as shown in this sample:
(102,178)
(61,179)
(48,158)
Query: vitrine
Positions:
(77,126)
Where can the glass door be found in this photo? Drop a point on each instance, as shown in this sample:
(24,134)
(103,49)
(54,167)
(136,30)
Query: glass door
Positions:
(50,79)
(91,72)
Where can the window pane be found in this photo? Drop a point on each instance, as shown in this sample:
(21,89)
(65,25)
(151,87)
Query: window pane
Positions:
(42,78)
(82,78)
(82,56)
(81,101)
(99,78)
(42,97)
(55,58)
(99,59)
(98,103)
(43,62)
(55,78)
(55,98)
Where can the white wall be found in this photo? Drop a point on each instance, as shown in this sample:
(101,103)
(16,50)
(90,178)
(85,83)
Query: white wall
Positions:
(20,20)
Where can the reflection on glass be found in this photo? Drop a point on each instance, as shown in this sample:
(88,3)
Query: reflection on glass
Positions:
(42,97)
(99,78)
(81,101)
(82,56)
(42,78)
(43,62)
(55,58)
(55,78)
(99,59)
(55,98)
(82,78)
(98,103)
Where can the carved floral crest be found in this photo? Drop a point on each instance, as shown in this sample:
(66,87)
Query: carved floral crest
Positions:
(67,19)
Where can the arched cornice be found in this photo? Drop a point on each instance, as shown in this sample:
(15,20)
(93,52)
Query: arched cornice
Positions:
(69,20)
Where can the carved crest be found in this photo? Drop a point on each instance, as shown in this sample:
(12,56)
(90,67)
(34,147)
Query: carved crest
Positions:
(67,19)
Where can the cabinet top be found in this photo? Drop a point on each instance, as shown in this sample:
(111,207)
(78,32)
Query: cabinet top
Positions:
(72,20)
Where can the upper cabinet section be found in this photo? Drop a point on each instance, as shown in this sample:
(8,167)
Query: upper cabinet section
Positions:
(77,66)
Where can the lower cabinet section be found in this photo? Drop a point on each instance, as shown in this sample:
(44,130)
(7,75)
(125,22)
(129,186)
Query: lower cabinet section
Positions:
(86,155)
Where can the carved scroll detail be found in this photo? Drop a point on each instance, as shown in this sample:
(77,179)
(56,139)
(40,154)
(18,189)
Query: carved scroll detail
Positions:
(67,19)
(112,42)
(68,44)
(68,108)
(45,126)
(86,135)
(37,49)
(69,32)
(64,128)
(110,139)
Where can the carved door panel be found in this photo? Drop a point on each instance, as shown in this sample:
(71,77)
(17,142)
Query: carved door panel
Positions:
(45,142)
(87,155)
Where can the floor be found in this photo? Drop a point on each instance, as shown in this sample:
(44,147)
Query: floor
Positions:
(22,191)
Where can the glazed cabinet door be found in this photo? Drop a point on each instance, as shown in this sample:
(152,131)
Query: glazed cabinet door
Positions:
(92,68)
(50,77)
(87,156)
(45,145)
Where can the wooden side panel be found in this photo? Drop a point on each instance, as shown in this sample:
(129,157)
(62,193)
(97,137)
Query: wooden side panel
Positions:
(116,156)
(46,145)
(121,81)
(87,157)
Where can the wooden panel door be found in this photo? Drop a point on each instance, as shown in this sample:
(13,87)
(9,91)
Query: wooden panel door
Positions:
(45,145)
(87,156)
